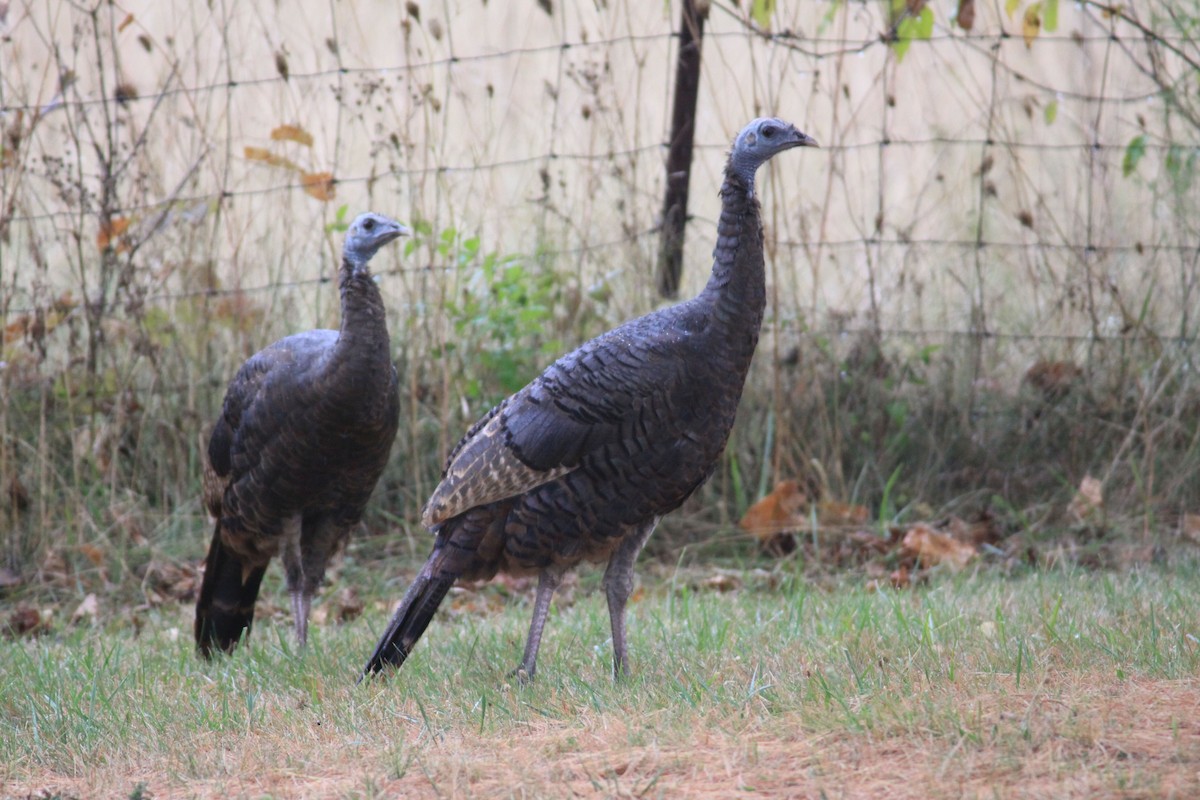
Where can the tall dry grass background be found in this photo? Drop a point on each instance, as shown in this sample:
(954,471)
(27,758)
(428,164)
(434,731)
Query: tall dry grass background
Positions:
(984,287)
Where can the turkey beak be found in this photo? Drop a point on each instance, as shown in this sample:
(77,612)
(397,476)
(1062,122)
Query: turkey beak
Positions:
(803,139)
(399,231)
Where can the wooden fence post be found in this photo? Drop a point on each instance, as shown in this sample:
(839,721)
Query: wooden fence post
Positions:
(679,156)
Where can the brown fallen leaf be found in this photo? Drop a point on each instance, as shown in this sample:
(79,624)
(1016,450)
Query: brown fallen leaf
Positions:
(292,133)
(781,510)
(23,621)
(832,512)
(165,580)
(933,547)
(1088,501)
(1189,528)
(721,581)
(347,605)
(1052,379)
(982,531)
(93,554)
(267,157)
(111,231)
(966,14)
(1032,23)
(774,519)
(320,185)
(55,570)
(88,610)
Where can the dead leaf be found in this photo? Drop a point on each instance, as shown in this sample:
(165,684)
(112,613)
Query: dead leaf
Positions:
(267,157)
(320,185)
(1032,24)
(981,531)
(933,547)
(347,605)
(292,133)
(900,579)
(167,580)
(781,510)
(87,610)
(1052,379)
(859,547)
(125,23)
(832,512)
(111,230)
(966,14)
(1089,500)
(93,554)
(24,620)
(1189,528)
(55,570)
(721,581)
(774,519)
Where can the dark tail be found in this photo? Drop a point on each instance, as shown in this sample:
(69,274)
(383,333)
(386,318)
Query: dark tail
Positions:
(412,617)
(225,609)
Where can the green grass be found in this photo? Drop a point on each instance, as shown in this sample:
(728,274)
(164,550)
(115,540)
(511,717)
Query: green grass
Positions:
(977,676)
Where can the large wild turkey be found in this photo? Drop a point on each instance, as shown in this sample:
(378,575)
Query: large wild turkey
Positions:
(581,463)
(305,431)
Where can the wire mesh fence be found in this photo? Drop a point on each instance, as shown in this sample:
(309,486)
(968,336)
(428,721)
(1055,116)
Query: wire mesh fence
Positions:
(985,282)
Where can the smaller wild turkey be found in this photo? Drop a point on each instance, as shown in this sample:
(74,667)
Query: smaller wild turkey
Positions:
(582,463)
(305,431)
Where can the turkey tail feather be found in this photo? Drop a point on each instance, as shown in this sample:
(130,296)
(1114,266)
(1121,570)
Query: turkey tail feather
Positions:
(412,617)
(225,609)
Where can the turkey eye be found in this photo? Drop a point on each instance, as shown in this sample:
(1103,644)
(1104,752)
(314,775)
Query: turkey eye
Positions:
(369,224)
(769,131)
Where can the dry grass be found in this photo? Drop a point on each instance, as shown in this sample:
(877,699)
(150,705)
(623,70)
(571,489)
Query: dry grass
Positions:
(1084,736)
(1048,685)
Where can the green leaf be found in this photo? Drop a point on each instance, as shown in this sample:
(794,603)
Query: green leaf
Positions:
(1051,112)
(1049,15)
(1133,154)
(1010,7)
(761,11)
(918,27)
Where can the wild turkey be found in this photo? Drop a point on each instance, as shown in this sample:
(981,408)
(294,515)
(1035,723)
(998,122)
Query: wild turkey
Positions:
(581,463)
(305,432)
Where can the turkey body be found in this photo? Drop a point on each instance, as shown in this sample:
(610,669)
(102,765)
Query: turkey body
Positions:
(581,463)
(305,431)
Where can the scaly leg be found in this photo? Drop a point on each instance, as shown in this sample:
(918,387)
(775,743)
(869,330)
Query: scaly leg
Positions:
(618,585)
(301,606)
(293,567)
(548,582)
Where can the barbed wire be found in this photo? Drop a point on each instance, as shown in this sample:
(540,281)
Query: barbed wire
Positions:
(626,241)
(608,155)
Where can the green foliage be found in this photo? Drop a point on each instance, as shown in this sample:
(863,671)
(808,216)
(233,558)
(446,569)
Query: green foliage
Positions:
(1133,154)
(339,224)
(501,315)
(761,11)
(1049,15)
(1051,112)
(1180,163)
(910,26)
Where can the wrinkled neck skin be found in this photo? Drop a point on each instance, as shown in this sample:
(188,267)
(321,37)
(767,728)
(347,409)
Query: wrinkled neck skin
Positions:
(364,322)
(736,290)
